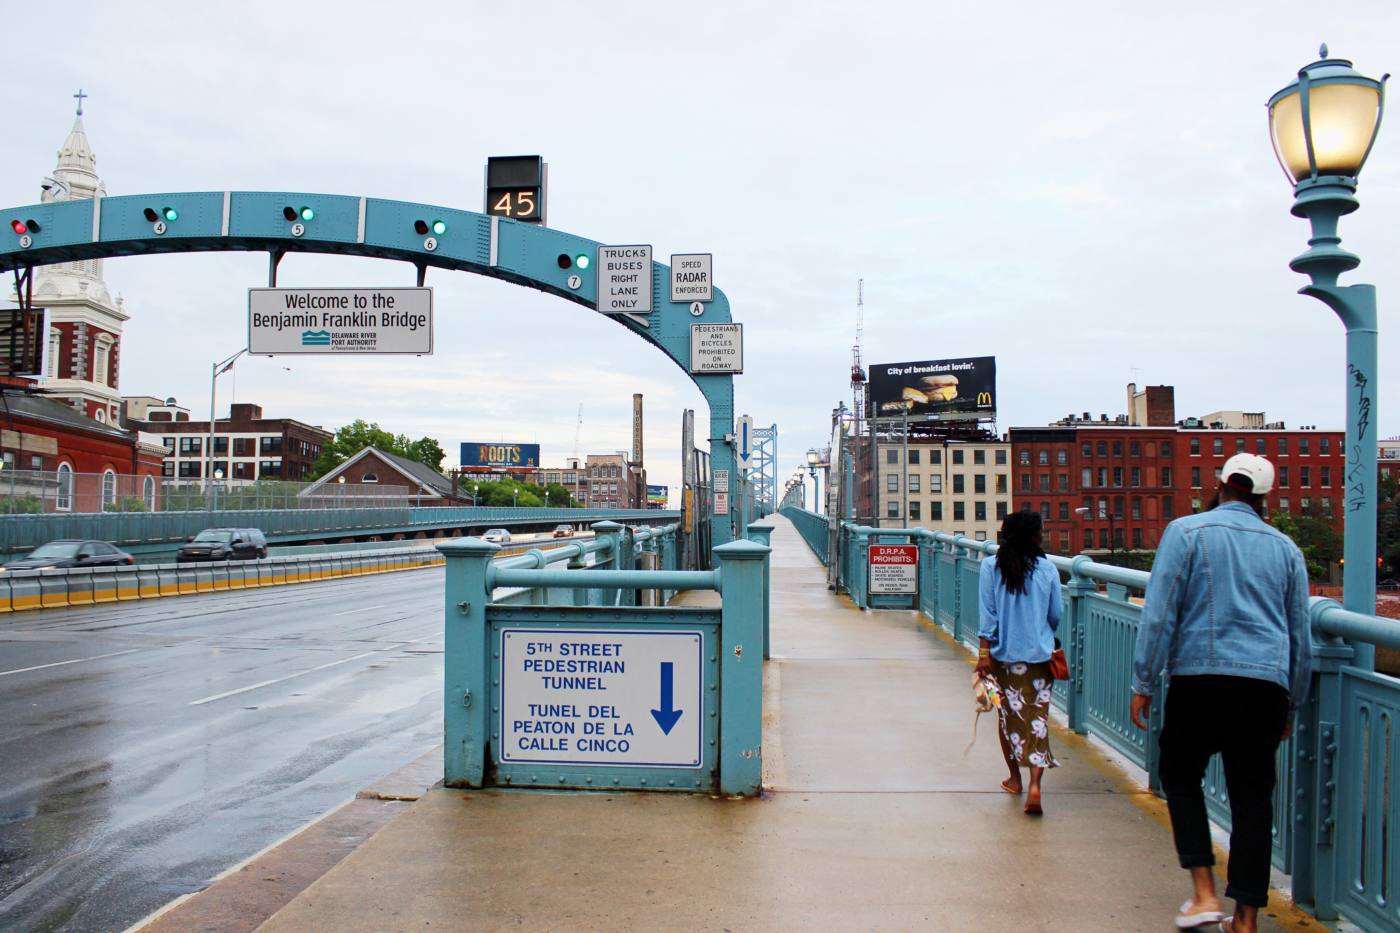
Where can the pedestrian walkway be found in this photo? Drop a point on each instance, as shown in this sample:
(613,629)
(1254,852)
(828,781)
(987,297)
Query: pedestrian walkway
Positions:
(874,818)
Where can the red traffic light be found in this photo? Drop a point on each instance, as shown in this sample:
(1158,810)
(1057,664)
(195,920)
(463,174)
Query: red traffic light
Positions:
(420,227)
(18,227)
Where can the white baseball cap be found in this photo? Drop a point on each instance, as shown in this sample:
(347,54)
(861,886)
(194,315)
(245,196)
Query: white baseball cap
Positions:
(1259,471)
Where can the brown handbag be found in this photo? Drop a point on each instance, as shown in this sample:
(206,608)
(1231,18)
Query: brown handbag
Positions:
(1059,665)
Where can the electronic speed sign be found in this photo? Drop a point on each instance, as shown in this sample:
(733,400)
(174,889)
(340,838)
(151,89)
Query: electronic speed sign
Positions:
(516,187)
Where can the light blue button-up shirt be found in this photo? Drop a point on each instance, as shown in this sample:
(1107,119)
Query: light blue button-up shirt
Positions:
(1020,626)
(1228,595)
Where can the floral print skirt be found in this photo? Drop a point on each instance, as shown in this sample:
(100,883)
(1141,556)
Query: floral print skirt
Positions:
(1025,711)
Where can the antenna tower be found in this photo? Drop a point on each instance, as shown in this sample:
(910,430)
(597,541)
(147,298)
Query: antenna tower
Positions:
(857,370)
(578,429)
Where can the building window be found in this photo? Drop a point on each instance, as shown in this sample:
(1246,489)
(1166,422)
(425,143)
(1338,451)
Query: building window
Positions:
(1001,484)
(959,511)
(1168,507)
(1103,476)
(913,482)
(935,482)
(167,468)
(1304,446)
(1025,482)
(957,456)
(935,511)
(1136,476)
(1195,477)
(1044,458)
(1086,477)
(220,445)
(1000,456)
(1166,476)
(1283,505)
(55,348)
(1137,539)
(1103,538)
(109,488)
(1326,506)
(1101,448)
(1305,504)
(1324,446)
(1086,450)
(979,456)
(269,445)
(1217,446)
(269,468)
(979,511)
(1118,477)
(891,456)
(64,499)
(370,478)
(979,483)
(981,536)
(891,482)
(958,482)
(1064,511)
(892,509)
(191,445)
(1239,445)
(148,493)
(1326,476)
(101,360)
(1024,458)
(1045,482)
(1137,507)
(935,456)
(1195,446)
(1283,476)
(1134,449)
(914,515)
(1117,448)
(1166,448)
(1283,446)
(1088,538)
(190,468)
(1061,456)
(1304,476)
(1001,510)
(1045,511)
(1196,504)
(1259,446)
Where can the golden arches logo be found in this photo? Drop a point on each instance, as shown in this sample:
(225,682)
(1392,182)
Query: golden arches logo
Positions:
(984,400)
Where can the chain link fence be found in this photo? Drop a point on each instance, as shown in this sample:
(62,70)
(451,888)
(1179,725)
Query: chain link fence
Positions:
(30,492)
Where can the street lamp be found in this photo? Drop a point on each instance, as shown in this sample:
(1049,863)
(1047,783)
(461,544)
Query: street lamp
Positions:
(514,496)
(814,458)
(1103,513)
(1323,127)
(217,370)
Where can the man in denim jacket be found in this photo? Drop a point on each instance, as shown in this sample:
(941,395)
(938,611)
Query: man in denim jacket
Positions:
(1226,617)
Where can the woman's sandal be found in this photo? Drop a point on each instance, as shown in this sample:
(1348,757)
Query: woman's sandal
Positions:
(1185,921)
(1007,786)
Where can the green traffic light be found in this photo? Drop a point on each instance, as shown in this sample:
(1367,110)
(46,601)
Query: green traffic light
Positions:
(170,214)
(307,213)
(581,261)
(439,227)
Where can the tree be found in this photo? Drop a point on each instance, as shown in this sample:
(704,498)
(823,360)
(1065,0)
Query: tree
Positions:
(1315,537)
(509,491)
(359,434)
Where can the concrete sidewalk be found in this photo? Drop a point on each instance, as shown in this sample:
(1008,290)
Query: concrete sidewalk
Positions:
(875,819)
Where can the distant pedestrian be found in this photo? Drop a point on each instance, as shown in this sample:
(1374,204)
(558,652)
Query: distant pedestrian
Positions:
(1020,610)
(1226,617)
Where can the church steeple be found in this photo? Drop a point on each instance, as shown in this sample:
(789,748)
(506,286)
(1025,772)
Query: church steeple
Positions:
(76,177)
(77,165)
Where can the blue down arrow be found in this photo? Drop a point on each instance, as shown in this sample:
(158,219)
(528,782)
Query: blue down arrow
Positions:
(666,716)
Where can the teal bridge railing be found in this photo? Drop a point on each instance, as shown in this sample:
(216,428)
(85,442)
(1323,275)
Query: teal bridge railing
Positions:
(153,530)
(567,668)
(1337,805)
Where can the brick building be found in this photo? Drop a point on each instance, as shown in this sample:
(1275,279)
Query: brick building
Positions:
(247,446)
(959,485)
(1115,484)
(614,482)
(372,467)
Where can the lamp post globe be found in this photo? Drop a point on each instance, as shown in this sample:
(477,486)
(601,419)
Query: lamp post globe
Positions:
(1323,127)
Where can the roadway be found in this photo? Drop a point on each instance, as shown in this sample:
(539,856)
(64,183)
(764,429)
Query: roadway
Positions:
(146,747)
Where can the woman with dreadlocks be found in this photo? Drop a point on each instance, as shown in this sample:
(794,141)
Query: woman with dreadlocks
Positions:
(1020,611)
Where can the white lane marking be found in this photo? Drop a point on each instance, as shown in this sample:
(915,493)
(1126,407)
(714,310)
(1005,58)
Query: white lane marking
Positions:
(350,612)
(278,680)
(96,657)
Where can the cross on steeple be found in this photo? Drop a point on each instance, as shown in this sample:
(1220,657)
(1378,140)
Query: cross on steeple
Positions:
(80,95)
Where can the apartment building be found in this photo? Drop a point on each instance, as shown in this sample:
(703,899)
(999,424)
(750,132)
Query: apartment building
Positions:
(247,446)
(956,485)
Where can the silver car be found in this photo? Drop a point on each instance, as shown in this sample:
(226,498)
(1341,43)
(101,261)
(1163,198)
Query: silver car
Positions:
(497,536)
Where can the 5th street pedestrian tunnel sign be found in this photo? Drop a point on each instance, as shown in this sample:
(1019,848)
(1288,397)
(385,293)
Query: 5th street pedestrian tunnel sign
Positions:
(603,697)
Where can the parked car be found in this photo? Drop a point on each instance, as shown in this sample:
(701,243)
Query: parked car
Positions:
(563,531)
(72,553)
(224,544)
(497,536)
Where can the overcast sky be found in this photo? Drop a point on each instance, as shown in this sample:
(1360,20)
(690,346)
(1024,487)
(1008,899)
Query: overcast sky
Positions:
(1084,190)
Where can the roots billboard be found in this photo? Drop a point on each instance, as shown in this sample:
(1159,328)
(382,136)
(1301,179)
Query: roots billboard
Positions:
(935,389)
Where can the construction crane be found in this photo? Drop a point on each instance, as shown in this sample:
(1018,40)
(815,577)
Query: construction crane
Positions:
(857,370)
(578,429)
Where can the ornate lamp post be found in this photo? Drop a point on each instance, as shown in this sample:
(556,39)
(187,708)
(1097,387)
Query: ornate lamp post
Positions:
(1323,127)
(813,459)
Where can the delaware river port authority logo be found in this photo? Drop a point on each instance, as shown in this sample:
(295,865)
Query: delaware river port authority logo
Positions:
(315,338)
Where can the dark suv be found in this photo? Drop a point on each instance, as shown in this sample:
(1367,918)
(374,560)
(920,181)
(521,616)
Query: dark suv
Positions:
(224,544)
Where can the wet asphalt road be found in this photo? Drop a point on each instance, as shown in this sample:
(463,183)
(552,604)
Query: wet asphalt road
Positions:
(155,744)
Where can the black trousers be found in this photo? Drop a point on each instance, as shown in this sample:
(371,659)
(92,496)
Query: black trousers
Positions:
(1243,719)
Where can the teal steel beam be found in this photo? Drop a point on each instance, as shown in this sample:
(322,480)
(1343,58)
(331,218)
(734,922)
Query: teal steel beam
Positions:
(350,225)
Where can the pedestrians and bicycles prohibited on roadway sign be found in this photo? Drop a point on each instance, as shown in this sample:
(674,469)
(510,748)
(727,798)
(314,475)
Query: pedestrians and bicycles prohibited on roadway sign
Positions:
(602,697)
(894,569)
(716,348)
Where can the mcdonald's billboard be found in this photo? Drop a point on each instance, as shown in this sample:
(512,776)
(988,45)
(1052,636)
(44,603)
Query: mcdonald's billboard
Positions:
(934,389)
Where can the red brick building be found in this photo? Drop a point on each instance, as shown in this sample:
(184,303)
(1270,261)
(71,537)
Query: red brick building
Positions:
(1115,484)
(247,446)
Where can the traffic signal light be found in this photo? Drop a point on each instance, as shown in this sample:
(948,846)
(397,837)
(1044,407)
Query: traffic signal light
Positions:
(581,261)
(293,214)
(21,227)
(167,214)
(421,227)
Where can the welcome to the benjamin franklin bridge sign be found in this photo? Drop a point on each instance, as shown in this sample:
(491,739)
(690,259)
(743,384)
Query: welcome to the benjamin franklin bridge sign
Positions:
(340,320)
